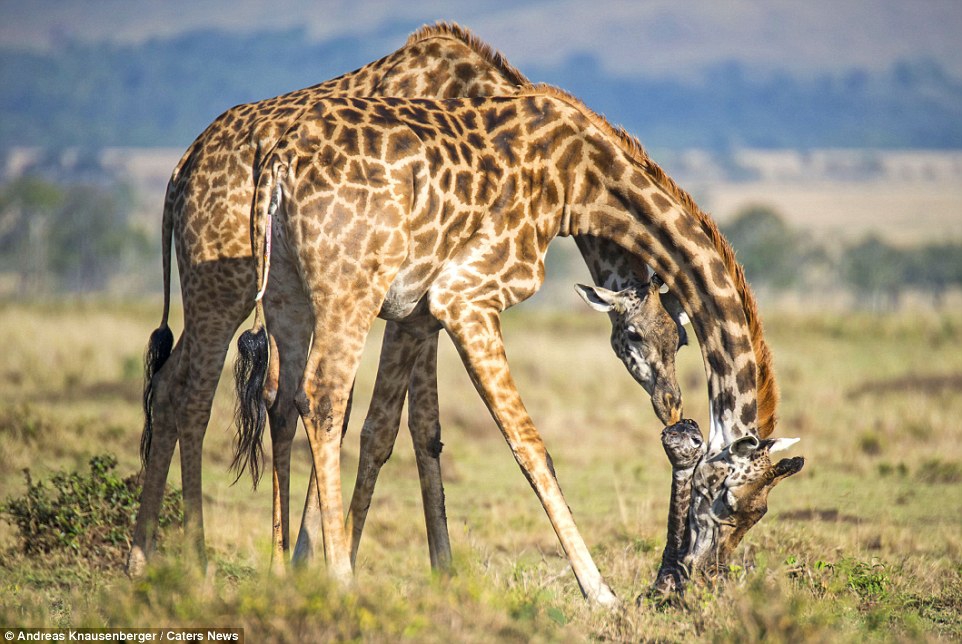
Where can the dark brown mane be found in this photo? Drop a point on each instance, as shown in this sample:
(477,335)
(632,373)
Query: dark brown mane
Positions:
(483,49)
(767,388)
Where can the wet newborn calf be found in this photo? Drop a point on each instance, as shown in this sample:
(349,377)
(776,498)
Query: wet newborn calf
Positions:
(685,448)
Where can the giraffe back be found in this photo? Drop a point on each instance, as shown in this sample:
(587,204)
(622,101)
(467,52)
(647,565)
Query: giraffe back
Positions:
(215,177)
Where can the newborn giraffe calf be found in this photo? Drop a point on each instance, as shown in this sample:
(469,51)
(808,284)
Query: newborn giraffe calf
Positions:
(706,519)
(685,448)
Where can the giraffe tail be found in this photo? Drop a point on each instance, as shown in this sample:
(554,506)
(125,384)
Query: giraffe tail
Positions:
(161,341)
(253,346)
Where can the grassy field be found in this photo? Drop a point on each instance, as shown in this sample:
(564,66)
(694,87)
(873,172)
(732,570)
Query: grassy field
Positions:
(865,543)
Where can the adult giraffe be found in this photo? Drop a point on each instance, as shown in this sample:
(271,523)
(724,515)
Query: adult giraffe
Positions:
(438,213)
(207,213)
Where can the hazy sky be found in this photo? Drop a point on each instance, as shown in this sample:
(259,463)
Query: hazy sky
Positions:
(649,36)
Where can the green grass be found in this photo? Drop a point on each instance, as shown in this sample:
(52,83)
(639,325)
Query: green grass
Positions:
(864,544)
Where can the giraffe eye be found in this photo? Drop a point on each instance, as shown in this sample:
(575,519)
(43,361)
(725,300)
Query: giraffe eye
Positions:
(632,335)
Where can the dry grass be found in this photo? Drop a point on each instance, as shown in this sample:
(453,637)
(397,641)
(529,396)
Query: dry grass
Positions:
(863,544)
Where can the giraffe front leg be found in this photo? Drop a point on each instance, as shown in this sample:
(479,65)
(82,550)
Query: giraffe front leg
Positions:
(379,433)
(477,336)
(424,423)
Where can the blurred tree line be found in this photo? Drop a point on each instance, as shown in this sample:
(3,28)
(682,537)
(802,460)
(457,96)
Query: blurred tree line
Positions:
(77,235)
(163,91)
(67,238)
(778,257)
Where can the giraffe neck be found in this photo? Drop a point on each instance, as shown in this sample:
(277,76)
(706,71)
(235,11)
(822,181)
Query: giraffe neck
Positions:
(610,266)
(611,195)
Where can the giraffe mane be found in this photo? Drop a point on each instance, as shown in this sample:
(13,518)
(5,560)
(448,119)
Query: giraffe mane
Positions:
(767,388)
(492,56)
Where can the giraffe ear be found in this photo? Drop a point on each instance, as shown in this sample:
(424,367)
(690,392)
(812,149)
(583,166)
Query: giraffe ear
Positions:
(739,448)
(779,444)
(744,446)
(597,297)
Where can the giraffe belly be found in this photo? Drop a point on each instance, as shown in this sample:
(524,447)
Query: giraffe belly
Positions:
(397,306)
(407,292)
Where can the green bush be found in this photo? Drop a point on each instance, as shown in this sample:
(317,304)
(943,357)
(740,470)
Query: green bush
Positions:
(87,513)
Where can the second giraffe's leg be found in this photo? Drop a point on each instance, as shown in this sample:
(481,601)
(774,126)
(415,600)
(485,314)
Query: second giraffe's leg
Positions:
(398,353)
(477,335)
(162,445)
(206,363)
(425,426)
(209,326)
(310,528)
(184,391)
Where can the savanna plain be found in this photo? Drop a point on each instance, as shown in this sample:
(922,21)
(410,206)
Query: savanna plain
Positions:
(864,544)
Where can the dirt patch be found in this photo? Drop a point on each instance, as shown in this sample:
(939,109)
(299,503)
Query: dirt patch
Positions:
(831,515)
(129,391)
(930,384)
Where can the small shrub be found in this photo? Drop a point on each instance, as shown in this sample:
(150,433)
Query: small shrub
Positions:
(88,513)
(869,580)
(22,424)
(870,444)
(887,469)
(935,471)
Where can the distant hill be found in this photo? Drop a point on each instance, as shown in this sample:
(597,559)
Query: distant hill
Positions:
(163,92)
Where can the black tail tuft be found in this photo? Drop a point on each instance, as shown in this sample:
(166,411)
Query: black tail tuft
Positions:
(250,415)
(158,350)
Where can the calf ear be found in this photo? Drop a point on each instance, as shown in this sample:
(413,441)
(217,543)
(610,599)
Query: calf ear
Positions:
(597,297)
(787,467)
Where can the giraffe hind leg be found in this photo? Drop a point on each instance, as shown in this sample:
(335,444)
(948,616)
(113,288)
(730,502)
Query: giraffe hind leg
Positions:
(322,402)
(289,319)
(339,334)
(157,464)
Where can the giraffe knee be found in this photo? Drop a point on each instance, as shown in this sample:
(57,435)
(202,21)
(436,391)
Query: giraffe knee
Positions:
(429,443)
(550,464)
(435,446)
(302,402)
(283,424)
(375,444)
(531,462)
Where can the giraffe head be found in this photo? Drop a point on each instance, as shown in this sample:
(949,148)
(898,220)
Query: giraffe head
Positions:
(683,444)
(730,494)
(646,338)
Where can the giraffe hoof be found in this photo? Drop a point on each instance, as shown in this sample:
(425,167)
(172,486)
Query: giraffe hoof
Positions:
(136,563)
(279,566)
(606,597)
